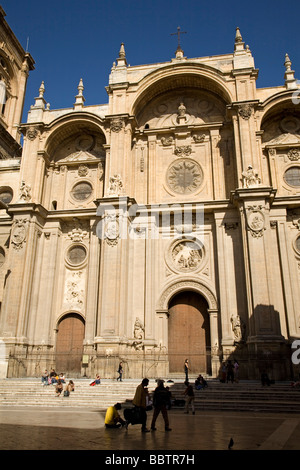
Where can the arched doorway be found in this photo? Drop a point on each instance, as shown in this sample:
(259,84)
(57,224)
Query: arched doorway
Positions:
(69,345)
(189,333)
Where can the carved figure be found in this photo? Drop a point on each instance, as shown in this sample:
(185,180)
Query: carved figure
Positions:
(138,333)
(181,110)
(25,191)
(115,185)
(250,177)
(238,328)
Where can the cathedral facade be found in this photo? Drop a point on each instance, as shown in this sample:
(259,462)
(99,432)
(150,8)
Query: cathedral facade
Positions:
(160,226)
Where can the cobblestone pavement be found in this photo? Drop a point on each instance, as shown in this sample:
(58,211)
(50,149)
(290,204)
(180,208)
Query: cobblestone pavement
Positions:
(24,428)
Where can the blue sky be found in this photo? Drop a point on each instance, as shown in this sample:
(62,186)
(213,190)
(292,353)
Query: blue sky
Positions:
(71,39)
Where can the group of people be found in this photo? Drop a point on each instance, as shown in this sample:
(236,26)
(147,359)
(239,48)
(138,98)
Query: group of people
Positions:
(161,401)
(230,371)
(53,378)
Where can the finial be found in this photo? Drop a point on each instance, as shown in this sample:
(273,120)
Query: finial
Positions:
(80,87)
(238,36)
(42,90)
(121,60)
(79,103)
(122,54)
(287,63)
(290,81)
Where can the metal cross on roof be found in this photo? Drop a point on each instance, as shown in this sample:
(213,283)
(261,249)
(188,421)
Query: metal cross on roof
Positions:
(179,32)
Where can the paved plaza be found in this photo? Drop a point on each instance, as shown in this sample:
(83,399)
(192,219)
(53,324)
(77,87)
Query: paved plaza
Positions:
(28,428)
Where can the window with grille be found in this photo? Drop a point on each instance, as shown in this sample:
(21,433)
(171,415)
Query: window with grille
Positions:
(292,176)
(82,191)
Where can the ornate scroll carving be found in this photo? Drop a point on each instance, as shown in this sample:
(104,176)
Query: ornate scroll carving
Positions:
(198,138)
(294,155)
(183,151)
(166,141)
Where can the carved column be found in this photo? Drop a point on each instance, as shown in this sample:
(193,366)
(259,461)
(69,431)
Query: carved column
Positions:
(254,206)
(92,285)
(214,342)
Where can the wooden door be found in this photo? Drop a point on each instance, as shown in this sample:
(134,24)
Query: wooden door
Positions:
(69,346)
(189,335)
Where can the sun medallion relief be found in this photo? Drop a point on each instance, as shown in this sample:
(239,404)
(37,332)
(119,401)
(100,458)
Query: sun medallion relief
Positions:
(184,176)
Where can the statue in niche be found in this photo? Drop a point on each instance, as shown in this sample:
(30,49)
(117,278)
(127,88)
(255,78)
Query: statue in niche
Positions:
(138,333)
(238,328)
(250,178)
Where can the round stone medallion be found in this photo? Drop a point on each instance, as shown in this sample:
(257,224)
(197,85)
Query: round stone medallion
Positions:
(184,176)
(185,255)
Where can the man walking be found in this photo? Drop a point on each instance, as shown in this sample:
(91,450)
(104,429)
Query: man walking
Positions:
(161,398)
(139,401)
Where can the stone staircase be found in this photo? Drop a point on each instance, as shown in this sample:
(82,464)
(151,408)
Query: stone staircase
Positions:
(242,396)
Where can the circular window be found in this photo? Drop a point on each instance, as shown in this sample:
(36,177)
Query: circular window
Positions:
(292,176)
(82,191)
(184,176)
(6,196)
(76,254)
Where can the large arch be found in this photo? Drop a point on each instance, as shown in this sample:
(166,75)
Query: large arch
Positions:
(190,284)
(69,125)
(188,75)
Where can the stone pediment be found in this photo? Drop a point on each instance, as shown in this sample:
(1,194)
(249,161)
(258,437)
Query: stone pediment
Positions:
(285,140)
(80,156)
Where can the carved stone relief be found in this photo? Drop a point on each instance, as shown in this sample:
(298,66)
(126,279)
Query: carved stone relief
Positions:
(186,255)
(31,133)
(138,334)
(294,154)
(184,176)
(177,110)
(18,234)
(116,124)
(183,151)
(25,192)
(250,178)
(256,221)
(166,141)
(111,230)
(83,170)
(74,290)
(245,111)
(238,328)
(115,186)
